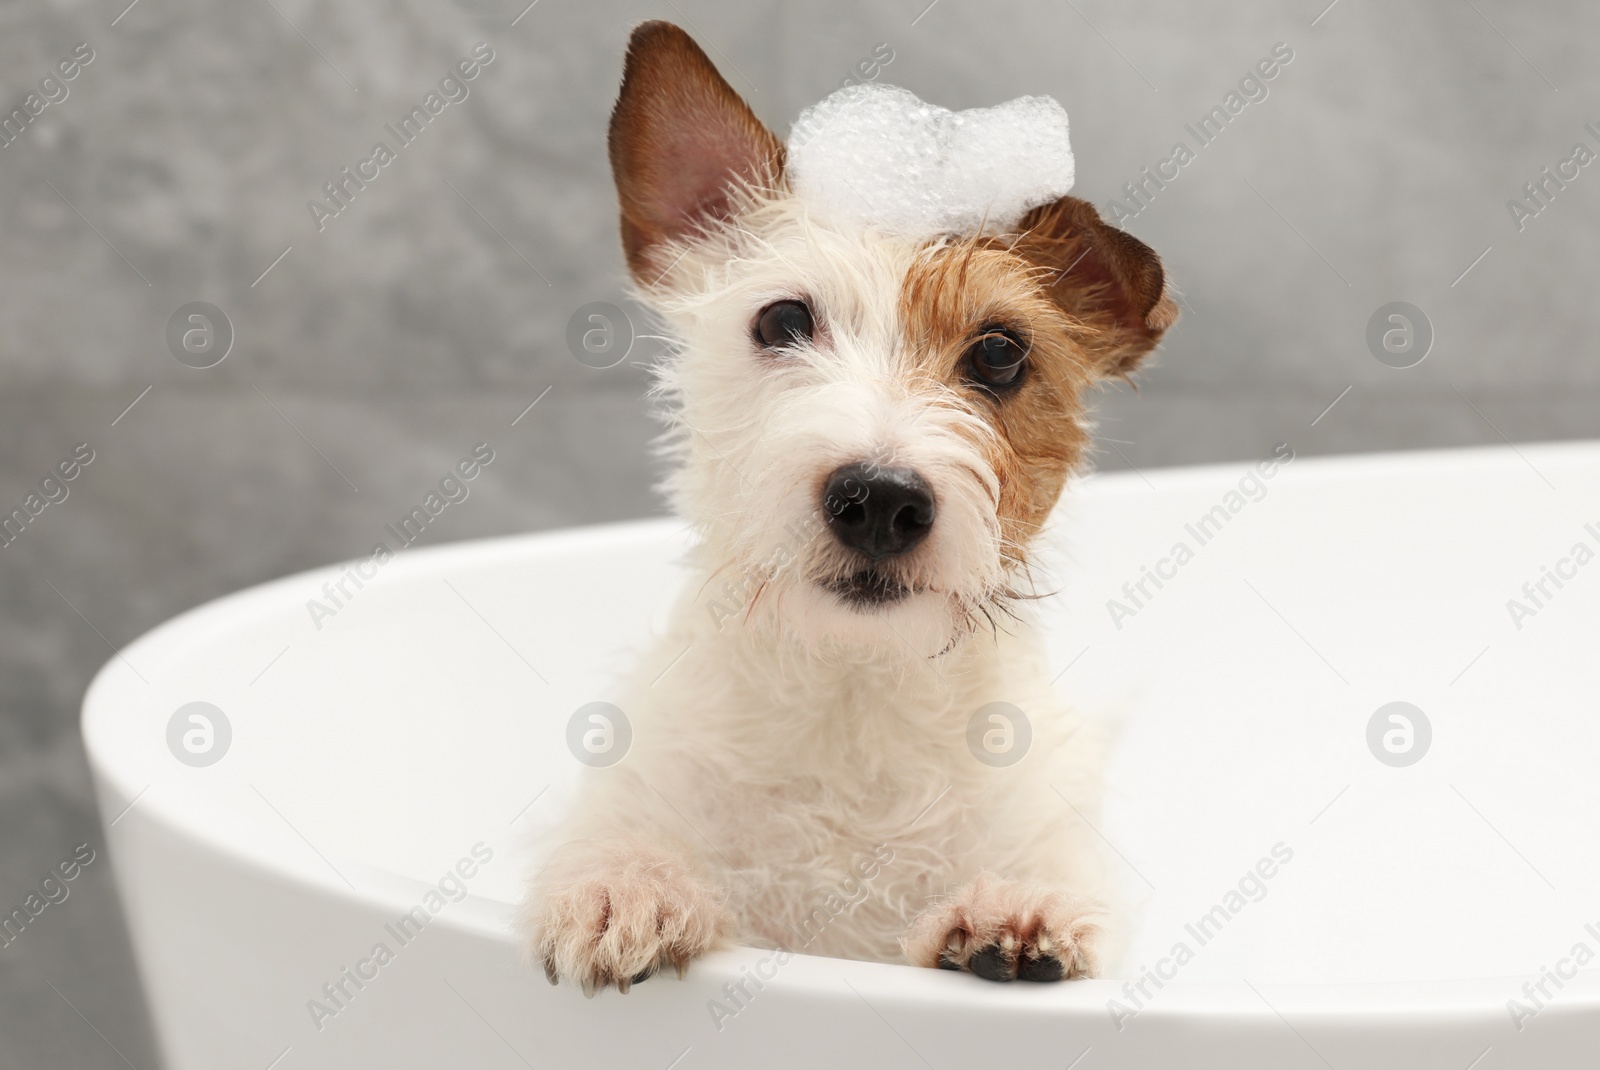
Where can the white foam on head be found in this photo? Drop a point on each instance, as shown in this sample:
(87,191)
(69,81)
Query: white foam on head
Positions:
(877,155)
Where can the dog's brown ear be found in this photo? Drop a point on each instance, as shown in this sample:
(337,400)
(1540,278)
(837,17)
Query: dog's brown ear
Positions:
(1102,276)
(680,137)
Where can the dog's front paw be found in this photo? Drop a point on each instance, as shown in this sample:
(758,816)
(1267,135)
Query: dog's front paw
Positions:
(616,915)
(1004,931)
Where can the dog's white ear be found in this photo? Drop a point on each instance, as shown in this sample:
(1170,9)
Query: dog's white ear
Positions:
(680,138)
(1104,277)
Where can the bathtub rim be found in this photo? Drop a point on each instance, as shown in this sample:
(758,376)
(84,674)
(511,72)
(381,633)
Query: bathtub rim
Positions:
(1452,1000)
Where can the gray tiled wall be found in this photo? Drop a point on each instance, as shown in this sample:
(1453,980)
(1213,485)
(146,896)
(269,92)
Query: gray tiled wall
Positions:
(431,311)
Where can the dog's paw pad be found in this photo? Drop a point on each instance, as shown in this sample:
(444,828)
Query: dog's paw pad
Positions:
(1004,932)
(1043,968)
(992,963)
(1011,960)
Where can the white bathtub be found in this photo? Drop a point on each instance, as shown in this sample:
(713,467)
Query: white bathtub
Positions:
(429,716)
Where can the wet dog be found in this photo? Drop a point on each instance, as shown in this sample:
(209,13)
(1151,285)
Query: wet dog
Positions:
(868,432)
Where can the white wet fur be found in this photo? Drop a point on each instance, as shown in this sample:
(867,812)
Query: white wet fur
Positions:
(800,773)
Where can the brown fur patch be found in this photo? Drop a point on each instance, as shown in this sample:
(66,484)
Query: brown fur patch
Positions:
(952,293)
(681,139)
(1089,300)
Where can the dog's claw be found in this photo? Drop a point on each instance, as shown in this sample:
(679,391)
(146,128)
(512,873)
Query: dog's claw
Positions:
(594,983)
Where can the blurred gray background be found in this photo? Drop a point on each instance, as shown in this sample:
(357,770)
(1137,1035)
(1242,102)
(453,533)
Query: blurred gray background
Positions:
(430,313)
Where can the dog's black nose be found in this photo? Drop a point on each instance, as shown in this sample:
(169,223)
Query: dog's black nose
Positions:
(878,511)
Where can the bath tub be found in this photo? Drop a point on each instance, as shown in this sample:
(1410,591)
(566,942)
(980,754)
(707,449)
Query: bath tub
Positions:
(1351,890)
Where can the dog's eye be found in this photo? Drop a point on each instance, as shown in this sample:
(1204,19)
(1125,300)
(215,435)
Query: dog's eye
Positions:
(996,359)
(784,323)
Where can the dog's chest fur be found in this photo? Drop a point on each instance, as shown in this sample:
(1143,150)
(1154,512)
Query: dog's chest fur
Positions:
(834,798)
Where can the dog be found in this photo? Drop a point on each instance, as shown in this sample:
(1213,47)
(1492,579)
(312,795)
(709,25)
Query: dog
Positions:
(867,433)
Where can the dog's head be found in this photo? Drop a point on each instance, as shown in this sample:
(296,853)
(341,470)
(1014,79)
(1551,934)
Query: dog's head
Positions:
(868,430)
